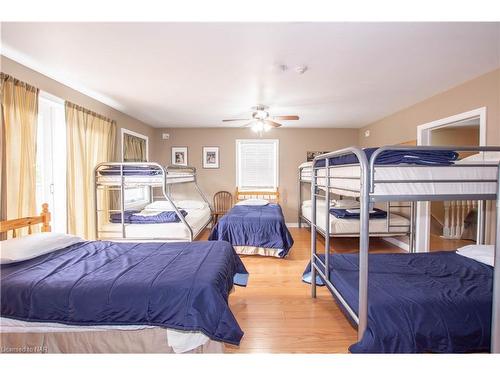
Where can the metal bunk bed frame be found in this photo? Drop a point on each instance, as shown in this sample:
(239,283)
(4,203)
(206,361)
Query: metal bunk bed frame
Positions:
(368,181)
(410,232)
(168,181)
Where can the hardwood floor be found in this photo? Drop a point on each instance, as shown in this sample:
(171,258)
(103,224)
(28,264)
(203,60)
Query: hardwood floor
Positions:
(276,311)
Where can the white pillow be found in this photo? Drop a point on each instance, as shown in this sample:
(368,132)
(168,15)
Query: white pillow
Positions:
(33,245)
(159,206)
(481,253)
(253,202)
(191,204)
(345,203)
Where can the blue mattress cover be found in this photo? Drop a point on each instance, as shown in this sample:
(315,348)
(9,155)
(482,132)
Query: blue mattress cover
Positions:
(342,213)
(260,226)
(421,157)
(132,217)
(430,302)
(180,285)
(130,170)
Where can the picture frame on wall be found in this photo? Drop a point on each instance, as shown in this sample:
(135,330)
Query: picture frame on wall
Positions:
(180,155)
(312,154)
(210,157)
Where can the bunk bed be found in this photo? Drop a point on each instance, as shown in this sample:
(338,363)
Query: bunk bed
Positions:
(255,225)
(160,220)
(392,222)
(410,302)
(62,294)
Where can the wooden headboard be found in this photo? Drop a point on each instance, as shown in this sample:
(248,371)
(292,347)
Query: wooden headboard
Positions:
(273,196)
(23,222)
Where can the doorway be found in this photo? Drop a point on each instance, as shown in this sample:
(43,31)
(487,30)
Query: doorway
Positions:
(450,224)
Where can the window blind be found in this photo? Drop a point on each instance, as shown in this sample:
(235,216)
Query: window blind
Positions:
(257,164)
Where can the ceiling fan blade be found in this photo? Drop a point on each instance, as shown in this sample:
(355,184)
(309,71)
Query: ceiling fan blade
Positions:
(272,123)
(290,117)
(236,119)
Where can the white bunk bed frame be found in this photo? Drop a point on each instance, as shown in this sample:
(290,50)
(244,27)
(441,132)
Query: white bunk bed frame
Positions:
(367,195)
(168,176)
(410,227)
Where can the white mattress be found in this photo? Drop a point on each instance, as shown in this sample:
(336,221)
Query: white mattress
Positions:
(180,341)
(346,179)
(145,180)
(196,218)
(348,226)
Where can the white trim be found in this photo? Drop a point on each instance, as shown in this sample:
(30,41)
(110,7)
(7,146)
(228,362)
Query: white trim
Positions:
(277,166)
(423,222)
(44,95)
(394,241)
(292,225)
(135,134)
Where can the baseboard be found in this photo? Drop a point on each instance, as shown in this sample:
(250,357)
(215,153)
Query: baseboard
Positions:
(292,225)
(401,244)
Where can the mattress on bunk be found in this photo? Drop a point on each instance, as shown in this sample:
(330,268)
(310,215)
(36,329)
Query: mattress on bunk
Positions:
(351,226)
(196,218)
(183,286)
(255,226)
(130,170)
(146,217)
(412,156)
(144,179)
(346,179)
(429,302)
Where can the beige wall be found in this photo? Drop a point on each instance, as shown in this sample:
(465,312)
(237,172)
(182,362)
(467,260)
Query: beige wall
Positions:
(483,91)
(293,144)
(56,88)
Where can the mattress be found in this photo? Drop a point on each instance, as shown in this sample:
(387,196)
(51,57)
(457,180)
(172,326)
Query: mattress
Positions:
(179,341)
(196,218)
(346,179)
(138,180)
(350,226)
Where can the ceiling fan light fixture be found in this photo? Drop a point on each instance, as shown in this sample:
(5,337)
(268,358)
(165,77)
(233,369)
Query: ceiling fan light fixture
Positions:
(258,126)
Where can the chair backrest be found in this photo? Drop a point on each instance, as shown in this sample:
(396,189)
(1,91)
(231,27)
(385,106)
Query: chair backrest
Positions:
(223,201)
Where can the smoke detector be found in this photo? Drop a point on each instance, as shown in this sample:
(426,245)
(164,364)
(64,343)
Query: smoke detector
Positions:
(301,69)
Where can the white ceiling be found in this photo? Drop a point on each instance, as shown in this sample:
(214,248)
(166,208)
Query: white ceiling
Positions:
(196,74)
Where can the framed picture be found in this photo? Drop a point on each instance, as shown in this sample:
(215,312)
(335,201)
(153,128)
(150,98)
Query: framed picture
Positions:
(210,157)
(312,154)
(180,156)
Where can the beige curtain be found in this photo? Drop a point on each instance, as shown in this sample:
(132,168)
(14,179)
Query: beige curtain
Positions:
(134,148)
(90,140)
(19,113)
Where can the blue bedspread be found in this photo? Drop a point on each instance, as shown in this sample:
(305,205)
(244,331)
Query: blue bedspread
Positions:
(436,302)
(132,217)
(260,226)
(342,213)
(130,170)
(181,285)
(422,157)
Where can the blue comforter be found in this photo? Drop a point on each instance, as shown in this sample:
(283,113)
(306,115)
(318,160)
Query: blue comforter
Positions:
(132,217)
(342,213)
(130,170)
(436,302)
(421,157)
(181,285)
(260,226)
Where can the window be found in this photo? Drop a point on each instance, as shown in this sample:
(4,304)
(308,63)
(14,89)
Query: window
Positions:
(257,164)
(51,159)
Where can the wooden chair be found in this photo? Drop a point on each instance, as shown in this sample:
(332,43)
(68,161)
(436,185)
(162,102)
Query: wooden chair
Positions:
(223,201)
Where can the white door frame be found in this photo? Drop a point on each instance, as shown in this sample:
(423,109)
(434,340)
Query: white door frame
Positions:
(423,220)
(135,134)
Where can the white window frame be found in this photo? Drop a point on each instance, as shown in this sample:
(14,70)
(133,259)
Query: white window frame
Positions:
(135,134)
(277,169)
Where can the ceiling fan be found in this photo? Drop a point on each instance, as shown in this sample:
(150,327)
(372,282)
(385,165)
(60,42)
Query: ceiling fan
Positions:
(261,119)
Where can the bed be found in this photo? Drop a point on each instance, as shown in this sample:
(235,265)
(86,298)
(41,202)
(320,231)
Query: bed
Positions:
(400,173)
(113,180)
(255,226)
(73,295)
(197,215)
(346,227)
(438,302)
